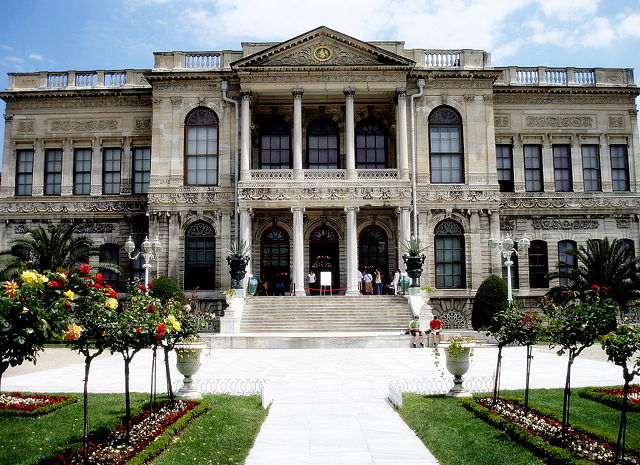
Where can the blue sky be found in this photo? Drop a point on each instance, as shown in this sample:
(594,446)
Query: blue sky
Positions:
(45,35)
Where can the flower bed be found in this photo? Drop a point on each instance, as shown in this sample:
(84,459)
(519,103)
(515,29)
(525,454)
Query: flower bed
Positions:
(612,397)
(151,433)
(541,431)
(27,405)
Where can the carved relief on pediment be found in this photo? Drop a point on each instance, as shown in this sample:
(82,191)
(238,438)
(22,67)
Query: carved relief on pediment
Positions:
(322,52)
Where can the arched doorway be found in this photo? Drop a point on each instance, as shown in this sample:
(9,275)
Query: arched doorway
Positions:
(199,266)
(324,254)
(374,250)
(276,268)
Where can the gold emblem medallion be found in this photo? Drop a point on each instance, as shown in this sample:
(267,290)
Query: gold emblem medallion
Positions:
(322,53)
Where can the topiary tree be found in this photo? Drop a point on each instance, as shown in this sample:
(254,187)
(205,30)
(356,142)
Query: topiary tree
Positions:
(165,288)
(490,299)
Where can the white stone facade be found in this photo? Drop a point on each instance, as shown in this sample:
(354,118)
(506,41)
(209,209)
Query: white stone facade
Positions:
(402,165)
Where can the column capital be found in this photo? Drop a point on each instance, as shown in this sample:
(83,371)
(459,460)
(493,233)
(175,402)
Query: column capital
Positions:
(297,93)
(349,92)
(297,209)
(352,209)
(401,93)
(246,94)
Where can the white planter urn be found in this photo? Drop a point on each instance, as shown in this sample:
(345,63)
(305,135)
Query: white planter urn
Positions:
(458,366)
(188,362)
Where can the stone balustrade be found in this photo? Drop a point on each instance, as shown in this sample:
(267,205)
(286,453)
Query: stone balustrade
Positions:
(543,76)
(323,175)
(64,80)
(164,61)
(458,59)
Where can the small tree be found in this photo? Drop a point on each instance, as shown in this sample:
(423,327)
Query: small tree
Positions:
(490,299)
(28,318)
(574,326)
(531,330)
(621,345)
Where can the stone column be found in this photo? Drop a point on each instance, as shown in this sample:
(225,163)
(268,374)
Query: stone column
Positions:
(297,133)
(66,188)
(352,250)
(126,167)
(37,188)
(298,249)
(245,136)
(495,262)
(576,164)
(246,234)
(475,264)
(401,135)
(633,151)
(173,246)
(97,156)
(547,165)
(404,234)
(518,165)
(349,134)
(605,165)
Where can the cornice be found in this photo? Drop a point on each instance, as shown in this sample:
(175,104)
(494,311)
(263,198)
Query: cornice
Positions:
(12,96)
(499,89)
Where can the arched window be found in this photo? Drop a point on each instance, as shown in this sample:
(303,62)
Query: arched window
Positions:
(449,247)
(538,265)
(275,256)
(322,145)
(201,148)
(275,146)
(445,139)
(373,249)
(199,262)
(566,262)
(110,253)
(371,144)
(628,243)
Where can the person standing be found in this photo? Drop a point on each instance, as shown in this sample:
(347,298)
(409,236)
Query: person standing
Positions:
(359,277)
(436,326)
(378,281)
(396,281)
(368,282)
(311,278)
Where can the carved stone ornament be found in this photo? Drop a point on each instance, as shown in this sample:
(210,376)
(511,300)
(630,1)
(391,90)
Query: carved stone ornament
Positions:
(190,198)
(558,202)
(88,102)
(623,223)
(616,122)
(502,121)
(459,195)
(143,124)
(72,207)
(83,125)
(323,193)
(567,99)
(25,126)
(334,55)
(565,224)
(559,121)
(507,225)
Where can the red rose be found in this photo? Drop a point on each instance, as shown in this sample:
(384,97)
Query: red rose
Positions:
(85,268)
(112,293)
(159,335)
(150,309)
(52,283)
(161,328)
(138,330)
(99,277)
(151,285)
(99,286)
(142,288)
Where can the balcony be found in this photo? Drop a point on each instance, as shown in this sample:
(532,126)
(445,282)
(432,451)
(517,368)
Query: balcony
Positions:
(68,80)
(565,77)
(270,176)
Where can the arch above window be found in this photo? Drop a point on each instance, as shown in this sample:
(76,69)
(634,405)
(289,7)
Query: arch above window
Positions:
(445,146)
(201,148)
(450,256)
(371,144)
(322,145)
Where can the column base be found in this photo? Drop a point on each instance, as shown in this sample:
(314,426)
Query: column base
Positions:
(352,292)
(298,174)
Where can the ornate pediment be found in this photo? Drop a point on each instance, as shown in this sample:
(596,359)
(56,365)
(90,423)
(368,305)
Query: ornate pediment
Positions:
(323,47)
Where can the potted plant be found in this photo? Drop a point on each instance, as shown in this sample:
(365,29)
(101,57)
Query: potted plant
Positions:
(229,294)
(188,353)
(458,351)
(413,259)
(238,258)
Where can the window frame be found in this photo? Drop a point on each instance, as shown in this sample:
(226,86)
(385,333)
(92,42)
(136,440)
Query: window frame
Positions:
(53,177)
(107,173)
(562,170)
(200,268)
(623,170)
(442,231)
(196,157)
(455,155)
(538,265)
(506,185)
(23,187)
(316,125)
(143,174)
(269,132)
(563,246)
(591,175)
(361,134)
(531,184)
(82,171)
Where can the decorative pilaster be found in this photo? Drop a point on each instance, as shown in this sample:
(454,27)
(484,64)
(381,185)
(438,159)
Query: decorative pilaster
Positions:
(518,165)
(297,133)
(547,165)
(605,165)
(173,245)
(245,137)
(401,135)
(125,166)
(96,167)
(494,231)
(66,188)
(634,151)
(477,272)
(298,249)
(576,165)
(37,187)
(349,134)
(245,232)
(352,250)
(404,234)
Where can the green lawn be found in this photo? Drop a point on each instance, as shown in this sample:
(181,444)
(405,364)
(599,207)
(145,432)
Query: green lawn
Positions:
(456,437)
(223,435)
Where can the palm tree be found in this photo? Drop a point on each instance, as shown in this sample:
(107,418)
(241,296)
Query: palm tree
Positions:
(612,266)
(49,251)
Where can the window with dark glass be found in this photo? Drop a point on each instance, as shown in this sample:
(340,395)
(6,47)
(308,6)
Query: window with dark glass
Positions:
(82,171)
(533,168)
(201,148)
(52,171)
(373,249)
(515,275)
(538,265)
(24,172)
(566,261)
(591,168)
(449,248)
(199,266)
(445,143)
(504,164)
(275,257)
(371,145)
(562,168)
(141,169)
(111,171)
(619,168)
(322,145)
(109,253)
(275,146)
(629,244)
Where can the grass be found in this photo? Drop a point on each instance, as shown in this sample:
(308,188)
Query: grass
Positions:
(437,420)
(223,435)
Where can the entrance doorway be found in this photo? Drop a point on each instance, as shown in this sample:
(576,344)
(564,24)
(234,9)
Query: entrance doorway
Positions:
(374,251)
(324,255)
(275,278)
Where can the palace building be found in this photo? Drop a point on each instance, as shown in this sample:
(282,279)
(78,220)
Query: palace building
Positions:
(327,152)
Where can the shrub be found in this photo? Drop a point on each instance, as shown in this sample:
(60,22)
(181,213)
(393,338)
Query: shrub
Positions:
(490,299)
(166,288)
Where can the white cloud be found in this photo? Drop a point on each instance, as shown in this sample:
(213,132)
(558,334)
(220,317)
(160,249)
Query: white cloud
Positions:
(5,47)
(35,56)
(630,25)
(568,9)
(14,59)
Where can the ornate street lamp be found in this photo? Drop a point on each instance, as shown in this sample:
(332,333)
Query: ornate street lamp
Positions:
(150,251)
(505,248)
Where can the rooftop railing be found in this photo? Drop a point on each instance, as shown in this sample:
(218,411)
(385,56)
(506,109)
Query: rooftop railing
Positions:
(543,76)
(77,80)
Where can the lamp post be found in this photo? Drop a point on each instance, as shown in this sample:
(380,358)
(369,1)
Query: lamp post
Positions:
(505,248)
(150,251)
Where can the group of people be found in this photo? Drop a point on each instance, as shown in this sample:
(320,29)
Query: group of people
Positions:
(372,281)
(435,326)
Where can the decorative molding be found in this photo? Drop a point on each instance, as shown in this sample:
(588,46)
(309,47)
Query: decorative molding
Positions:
(26,126)
(572,202)
(566,99)
(507,224)
(190,198)
(73,207)
(87,102)
(322,193)
(559,224)
(8,118)
(623,223)
(176,101)
(502,121)
(469,98)
(559,121)
(143,124)
(616,122)
(458,195)
(91,125)
(305,57)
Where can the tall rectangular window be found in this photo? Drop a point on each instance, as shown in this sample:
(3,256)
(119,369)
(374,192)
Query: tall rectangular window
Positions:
(24,172)
(562,168)
(52,171)
(82,171)
(504,164)
(533,180)
(538,265)
(591,168)
(619,168)
(141,169)
(111,171)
